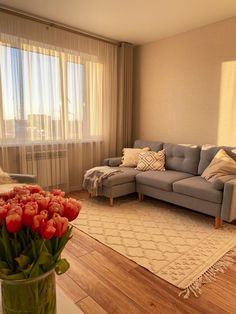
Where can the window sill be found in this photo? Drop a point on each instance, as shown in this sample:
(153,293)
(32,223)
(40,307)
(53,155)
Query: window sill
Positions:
(57,142)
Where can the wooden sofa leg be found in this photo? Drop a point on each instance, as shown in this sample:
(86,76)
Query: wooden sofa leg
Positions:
(140,197)
(218,222)
(111,203)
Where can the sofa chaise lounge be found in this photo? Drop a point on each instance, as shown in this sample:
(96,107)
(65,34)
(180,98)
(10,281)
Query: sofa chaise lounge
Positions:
(20,179)
(181,183)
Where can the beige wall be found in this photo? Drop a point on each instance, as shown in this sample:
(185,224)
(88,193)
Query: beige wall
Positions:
(177,84)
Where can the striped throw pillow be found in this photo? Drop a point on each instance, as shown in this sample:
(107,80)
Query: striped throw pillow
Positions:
(151,161)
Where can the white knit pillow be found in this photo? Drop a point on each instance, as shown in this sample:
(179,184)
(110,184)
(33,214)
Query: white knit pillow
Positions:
(130,156)
(151,161)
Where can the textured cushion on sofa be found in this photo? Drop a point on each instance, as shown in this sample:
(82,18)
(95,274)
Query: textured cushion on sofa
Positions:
(153,145)
(182,157)
(127,175)
(199,188)
(151,161)
(208,153)
(130,156)
(161,179)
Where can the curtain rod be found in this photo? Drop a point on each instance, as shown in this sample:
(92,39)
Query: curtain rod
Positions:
(51,23)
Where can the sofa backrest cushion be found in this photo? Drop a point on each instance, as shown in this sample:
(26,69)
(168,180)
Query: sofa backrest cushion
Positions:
(182,157)
(208,153)
(153,145)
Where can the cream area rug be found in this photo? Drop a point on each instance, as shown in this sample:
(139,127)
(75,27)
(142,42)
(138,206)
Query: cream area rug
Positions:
(178,245)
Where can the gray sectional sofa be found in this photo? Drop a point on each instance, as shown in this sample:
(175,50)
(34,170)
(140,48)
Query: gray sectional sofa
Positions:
(181,183)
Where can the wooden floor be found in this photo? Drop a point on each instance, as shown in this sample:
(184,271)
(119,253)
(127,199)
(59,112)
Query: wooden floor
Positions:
(101,280)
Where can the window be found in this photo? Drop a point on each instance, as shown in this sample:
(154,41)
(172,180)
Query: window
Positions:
(49,95)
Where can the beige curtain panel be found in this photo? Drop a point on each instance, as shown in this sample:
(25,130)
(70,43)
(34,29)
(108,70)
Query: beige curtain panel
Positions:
(60,96)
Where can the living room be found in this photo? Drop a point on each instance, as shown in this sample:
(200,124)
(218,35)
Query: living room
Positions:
(83,82)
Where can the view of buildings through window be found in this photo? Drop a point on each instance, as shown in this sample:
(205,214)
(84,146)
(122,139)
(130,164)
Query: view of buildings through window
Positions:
(35,105)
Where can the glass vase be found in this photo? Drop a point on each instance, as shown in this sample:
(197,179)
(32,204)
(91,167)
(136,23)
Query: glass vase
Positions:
(32,296)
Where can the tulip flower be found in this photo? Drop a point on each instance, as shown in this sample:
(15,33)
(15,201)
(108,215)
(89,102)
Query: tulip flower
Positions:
(61,224)
(25,199)
(48,230)
(55,207)
(14,208)
(39,221)
(58,192)
(43,202)
(34,188)
(71,209)
(34,229)
(18,190)
(13,222)
(3,212)
(30,210)
(44,214)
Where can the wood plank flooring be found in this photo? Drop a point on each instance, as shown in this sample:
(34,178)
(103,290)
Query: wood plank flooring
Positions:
(101,280)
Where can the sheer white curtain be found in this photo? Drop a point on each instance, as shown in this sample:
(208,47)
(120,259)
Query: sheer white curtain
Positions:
(58,102)
(227,106)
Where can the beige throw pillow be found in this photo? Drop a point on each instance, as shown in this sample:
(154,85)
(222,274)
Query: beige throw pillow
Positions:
(130,156)
(151,161)
(221,165)
(5,178)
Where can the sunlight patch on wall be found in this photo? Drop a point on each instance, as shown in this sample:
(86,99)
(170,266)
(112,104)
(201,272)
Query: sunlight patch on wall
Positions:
(227,110)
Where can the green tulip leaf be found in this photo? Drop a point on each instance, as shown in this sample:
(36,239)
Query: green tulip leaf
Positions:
(22,237)
(62,266)
(2,250)
(62,243)
(7,246)
(44,258)
(34,252)
(48,245)
(5,271)
(35,270)
(3,264)
(23,261)
(27,271)
(16,245)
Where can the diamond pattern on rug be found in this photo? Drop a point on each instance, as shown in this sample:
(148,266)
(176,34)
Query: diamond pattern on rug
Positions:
(177,245)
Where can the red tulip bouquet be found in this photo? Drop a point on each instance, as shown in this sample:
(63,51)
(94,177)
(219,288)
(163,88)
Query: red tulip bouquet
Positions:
(34,229)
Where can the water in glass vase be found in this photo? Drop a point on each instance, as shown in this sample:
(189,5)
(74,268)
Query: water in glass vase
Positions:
(30,296)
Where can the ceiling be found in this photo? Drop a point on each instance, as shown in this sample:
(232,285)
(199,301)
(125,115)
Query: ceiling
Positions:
(134,21)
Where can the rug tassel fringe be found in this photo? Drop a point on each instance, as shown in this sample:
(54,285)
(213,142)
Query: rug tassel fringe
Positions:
(210,275)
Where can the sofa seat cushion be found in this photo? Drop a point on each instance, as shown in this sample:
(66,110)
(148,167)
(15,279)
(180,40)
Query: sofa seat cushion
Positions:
(199,188)
(161,179)
(126,175)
